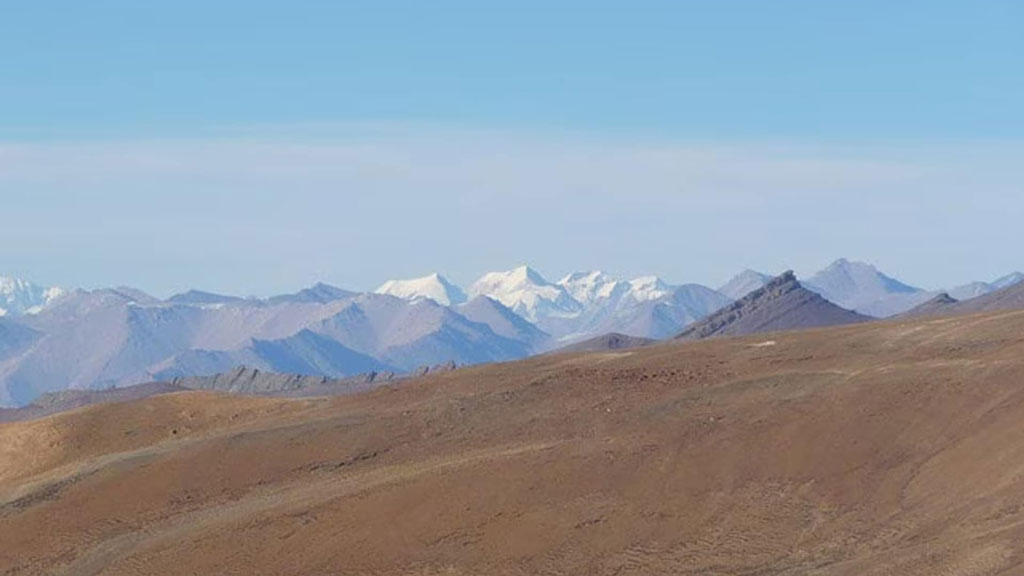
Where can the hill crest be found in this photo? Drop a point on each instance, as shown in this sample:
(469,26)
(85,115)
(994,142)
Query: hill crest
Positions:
(781,304)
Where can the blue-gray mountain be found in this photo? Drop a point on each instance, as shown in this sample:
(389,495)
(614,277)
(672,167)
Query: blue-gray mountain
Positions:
(52,340)
(104,338)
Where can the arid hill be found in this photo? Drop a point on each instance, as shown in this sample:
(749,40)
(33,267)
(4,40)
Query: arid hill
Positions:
(64,400)
(864,450)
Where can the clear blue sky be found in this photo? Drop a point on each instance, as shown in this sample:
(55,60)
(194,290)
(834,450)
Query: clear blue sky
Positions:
(256,146)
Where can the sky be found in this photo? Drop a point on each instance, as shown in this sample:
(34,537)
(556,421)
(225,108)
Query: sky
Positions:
(257,147)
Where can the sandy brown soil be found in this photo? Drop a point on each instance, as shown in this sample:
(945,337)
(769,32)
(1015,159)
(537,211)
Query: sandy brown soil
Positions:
(876,449)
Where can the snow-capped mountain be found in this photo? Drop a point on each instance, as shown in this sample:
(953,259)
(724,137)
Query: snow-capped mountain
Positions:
(528,294)
(648,288)
(643,314)
(589,287)
(19,297)
(744,283)
(589,303)
(975,289)
(434,287)
(592,287)
(645,307)
(861,287)
(120,337)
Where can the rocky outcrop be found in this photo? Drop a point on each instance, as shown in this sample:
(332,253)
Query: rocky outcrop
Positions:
(781,304)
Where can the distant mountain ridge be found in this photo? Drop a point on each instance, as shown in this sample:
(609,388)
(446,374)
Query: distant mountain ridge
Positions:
(53,339)
(975,289)
(91,340)
(781,304)
(583,304)
(503,321)
(938,305)
(527,293)
(861,287)
(63,400)
(434,287)
(201,297)
(1010,297)
(318,293)
(19,297)
(610,341)
(744,283)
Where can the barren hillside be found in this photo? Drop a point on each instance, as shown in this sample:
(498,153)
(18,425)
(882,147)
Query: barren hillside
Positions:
(872,449)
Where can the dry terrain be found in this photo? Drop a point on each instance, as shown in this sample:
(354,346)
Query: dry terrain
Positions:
(871,449)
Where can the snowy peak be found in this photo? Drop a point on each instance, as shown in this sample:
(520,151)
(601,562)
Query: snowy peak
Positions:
(433,287)
(645,307)
(519,278)
(744,283)
(647,288)
(527,293)
(19,297)
(589,287)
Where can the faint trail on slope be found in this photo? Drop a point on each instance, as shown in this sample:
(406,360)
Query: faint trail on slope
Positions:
(109,552)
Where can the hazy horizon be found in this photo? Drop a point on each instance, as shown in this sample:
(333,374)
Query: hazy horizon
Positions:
(554,278)
(253,148)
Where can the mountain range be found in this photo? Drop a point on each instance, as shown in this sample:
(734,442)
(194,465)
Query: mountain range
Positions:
(880,448)
(975,289)
(53,339)
(1011,297)
(861,287)
(104,338)
(783,303)
(19,297)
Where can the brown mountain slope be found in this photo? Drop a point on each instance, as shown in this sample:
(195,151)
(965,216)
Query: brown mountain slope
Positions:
(241,380)
(781,304)
(55,402)
(867,450)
